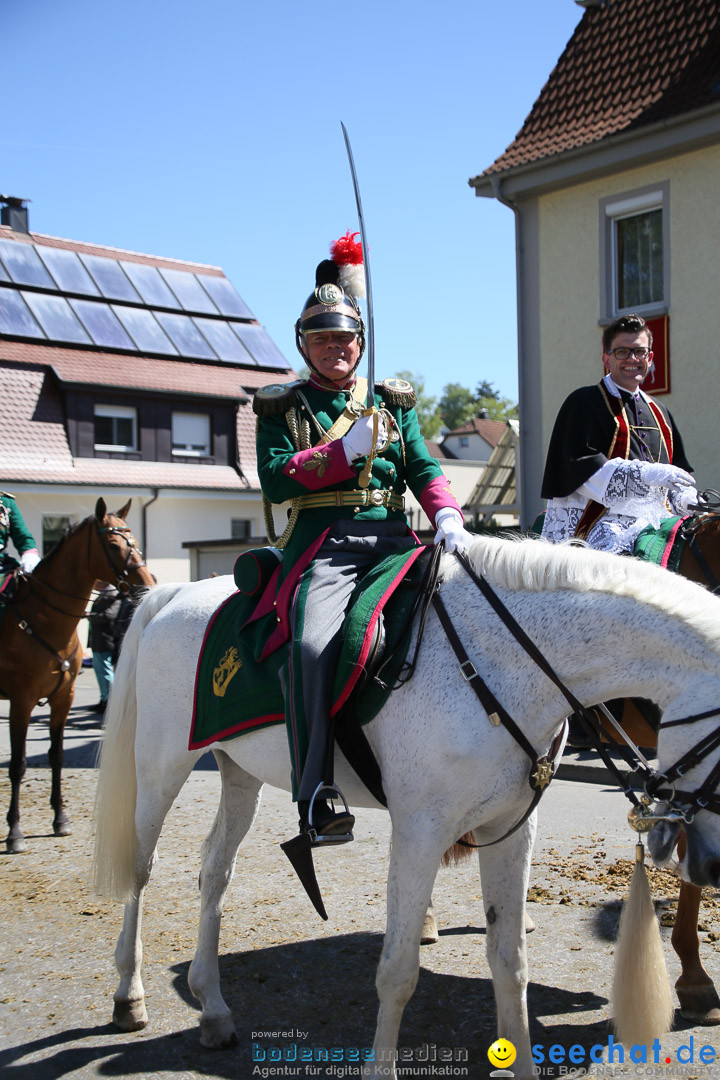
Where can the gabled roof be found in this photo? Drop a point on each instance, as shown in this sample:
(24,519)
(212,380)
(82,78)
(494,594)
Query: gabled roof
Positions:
(489,430)
(629,64)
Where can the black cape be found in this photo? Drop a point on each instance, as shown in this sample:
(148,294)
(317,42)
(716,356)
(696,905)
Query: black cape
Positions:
(582,437)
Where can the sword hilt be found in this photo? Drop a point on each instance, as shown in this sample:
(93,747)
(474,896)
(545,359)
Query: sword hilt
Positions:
(364,478)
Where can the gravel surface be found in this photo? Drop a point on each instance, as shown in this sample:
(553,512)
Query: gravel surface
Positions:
(281,967)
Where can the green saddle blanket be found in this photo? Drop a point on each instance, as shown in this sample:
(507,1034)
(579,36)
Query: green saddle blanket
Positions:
(663,546)
(235,692)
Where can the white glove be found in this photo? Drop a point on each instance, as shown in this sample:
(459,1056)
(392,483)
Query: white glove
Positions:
(29,560)
(359,439)
(665,475)
(683,500)
(451,528)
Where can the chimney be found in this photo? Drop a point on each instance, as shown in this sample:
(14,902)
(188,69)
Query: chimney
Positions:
(14,213)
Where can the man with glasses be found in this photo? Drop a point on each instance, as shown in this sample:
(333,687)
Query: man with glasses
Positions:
(616,461)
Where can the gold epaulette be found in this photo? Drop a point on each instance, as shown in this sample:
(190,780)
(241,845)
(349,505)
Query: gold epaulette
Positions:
(7,494)
(276,398)
(396,392)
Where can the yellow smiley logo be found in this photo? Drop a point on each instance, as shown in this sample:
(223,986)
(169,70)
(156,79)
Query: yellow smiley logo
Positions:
(502,1053)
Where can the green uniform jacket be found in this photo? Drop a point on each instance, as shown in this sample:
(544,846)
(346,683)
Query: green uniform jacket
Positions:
(13,527)
(287,473)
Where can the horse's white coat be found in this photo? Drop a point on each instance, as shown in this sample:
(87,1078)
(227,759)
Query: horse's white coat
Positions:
(611,627)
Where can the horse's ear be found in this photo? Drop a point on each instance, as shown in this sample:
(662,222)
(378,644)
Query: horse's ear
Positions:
(125,510)
(100,510)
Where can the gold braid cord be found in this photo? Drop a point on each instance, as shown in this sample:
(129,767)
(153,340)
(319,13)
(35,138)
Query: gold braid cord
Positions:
(300,435)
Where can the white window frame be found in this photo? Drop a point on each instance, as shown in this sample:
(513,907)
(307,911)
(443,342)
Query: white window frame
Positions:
(186,450)
(122,412)
(615,208)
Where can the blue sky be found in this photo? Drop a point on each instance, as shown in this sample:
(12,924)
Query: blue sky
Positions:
(210,131)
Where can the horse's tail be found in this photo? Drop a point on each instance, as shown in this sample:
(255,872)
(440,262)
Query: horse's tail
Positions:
(641,998)
(115,837)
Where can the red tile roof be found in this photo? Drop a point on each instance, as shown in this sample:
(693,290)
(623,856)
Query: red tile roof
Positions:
(34,446)
(489,430)
(137,372)
(627,65)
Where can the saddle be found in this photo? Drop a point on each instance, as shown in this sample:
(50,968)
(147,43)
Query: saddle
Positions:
(237,692)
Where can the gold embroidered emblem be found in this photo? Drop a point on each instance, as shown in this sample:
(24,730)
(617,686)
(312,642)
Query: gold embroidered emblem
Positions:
(318,461)
(543,774)
(223,673)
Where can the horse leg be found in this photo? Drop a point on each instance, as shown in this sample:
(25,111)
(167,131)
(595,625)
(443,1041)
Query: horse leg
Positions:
(695,989)
(429,934)
(238,805)
(414,861)
(156,792)
(504,872)
(59,710)
(19,721)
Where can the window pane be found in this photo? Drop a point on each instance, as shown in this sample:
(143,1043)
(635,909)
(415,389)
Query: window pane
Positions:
(149,284)
(102,325)
(15,317)
(144,329)
(185,336)
(225,295)
(260,345)
(104,430)
(189,292)
(115,427)
(67,270)
(54,528)
(110,277)
(23,264)
(640,259)
(190,433)
(226,344)
(57,319)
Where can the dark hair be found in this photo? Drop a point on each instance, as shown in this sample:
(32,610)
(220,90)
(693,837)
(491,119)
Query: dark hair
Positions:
(626,324)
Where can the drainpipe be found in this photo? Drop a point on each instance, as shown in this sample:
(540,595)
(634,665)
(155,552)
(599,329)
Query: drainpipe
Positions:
(523,443)
(144,521)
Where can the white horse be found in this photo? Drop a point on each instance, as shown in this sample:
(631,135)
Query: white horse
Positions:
(610,627)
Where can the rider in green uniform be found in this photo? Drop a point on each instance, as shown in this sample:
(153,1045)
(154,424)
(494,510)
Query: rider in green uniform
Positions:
(13,528)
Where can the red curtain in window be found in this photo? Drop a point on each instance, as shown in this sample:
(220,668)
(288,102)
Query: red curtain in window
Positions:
(658,380)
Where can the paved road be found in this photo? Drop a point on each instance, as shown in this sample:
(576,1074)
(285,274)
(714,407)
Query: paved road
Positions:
(281,968)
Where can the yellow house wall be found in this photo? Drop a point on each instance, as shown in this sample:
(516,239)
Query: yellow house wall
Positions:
(569,289)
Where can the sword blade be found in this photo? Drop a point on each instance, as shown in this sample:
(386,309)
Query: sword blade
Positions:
(369,324)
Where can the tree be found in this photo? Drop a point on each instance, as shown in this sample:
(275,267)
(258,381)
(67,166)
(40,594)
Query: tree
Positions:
(457,405)
(489,404)
(427,406)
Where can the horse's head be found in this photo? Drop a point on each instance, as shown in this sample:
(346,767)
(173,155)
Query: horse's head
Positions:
(122,560)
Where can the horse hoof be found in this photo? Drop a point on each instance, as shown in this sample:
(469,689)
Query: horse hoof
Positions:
(15,845)
(130,1015)
(218,1033)
(529,924)
(429,933)
(62,828)
(699,1004)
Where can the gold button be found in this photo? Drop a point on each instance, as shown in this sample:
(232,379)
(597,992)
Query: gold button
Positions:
(274,603)
(279,619)
(356,509)
(292,472)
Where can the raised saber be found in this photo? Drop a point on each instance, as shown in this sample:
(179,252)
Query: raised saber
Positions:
(370,328)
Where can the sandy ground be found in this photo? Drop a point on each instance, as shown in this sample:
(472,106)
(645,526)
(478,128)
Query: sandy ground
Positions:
(282,969)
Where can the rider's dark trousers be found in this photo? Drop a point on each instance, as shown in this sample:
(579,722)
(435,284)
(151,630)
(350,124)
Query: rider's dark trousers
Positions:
(321,599)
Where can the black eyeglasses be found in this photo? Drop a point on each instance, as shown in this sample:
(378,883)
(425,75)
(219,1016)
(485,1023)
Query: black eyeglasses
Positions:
(624,354)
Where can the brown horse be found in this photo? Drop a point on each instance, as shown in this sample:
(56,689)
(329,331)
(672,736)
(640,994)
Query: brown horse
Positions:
(698,998)
(40,654)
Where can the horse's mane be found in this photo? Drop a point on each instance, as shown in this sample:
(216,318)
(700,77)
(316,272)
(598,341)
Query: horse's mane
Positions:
(536,565)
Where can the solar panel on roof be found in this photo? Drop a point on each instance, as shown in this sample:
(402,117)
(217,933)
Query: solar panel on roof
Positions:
(15,316)
(260,345)
(225,295)
(68,271)
(144,329)
(188,290)
(185,336)
(150,285)
(56,317)
(23,264)
(110,277)
(226,344)
(101,324)
(4,276)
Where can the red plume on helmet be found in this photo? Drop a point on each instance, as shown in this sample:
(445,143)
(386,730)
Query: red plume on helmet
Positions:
(347,254)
